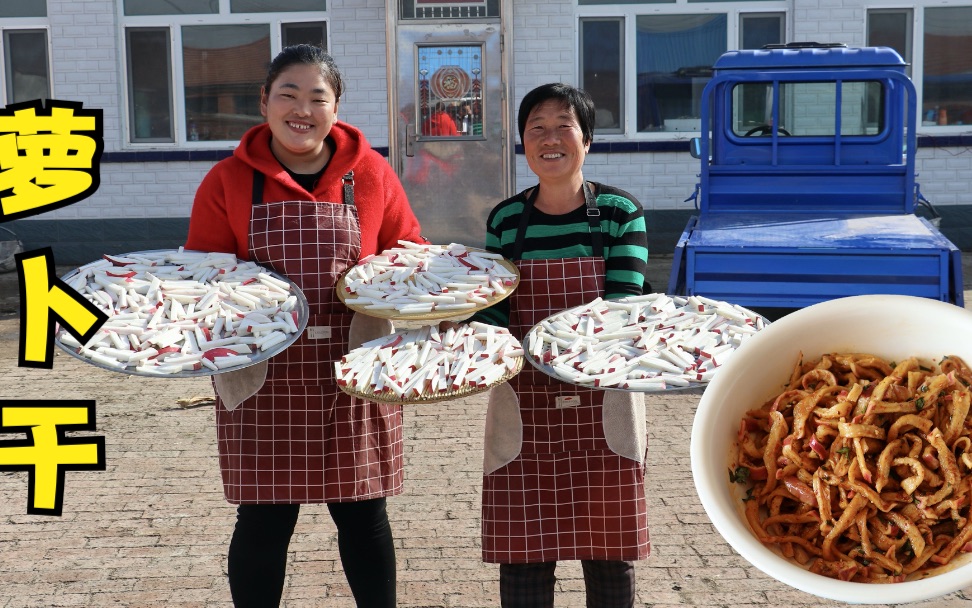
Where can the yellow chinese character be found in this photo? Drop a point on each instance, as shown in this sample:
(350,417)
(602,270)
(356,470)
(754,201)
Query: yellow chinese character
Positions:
(46,453)
(44,298)
(47,160)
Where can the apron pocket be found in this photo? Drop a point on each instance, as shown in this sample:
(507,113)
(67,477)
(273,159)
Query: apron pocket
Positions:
(504,428)
(236,387)
(625,428)
(365,328)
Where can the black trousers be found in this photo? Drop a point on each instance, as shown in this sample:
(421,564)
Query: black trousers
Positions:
(258,552)
(609,584)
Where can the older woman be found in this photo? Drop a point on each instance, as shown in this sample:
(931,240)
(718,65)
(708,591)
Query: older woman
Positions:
(564,465)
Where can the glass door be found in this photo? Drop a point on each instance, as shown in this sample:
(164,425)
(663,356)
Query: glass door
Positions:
(450,131)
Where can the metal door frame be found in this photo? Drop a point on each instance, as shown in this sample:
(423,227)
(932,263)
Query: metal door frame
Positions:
(506,75)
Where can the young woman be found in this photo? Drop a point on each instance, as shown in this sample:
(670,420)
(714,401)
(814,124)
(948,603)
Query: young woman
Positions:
(564,466)
(305,195)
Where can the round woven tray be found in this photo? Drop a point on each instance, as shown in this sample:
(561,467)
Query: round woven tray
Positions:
(395,315)
(464,391)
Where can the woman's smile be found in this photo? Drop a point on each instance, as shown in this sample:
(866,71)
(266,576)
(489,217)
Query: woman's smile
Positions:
(300,108)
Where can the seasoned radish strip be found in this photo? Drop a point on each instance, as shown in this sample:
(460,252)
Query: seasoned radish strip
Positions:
(169,311)
(418,279)
(642,343)
(424,364)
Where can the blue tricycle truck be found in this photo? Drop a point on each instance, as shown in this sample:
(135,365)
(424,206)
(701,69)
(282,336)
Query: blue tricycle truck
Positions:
(807,189)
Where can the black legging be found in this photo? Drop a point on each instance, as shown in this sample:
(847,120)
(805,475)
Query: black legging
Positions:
(258,552)
(609,584)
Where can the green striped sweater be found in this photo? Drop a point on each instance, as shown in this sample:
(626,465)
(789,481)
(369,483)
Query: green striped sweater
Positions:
(569,236)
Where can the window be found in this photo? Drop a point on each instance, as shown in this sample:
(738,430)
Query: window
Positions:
(940,37)
(275,6)
(647,64)
(448,9)
(223,69)
(193,74)
(891,28)
(26,67)
(312,32)
(807,109)
(171,7)
(23,8)
(149,82)
(759,29)
(675,54)
(602,70)
(24,56)
(946,82)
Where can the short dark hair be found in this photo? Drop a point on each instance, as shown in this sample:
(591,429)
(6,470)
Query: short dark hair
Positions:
(306,54)
(577,99)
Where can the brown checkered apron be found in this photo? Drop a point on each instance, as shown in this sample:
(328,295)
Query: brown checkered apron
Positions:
(567,495)
(301,439)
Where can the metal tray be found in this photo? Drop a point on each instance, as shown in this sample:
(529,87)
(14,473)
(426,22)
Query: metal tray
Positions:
(303,315)
(443,396)
(531,337)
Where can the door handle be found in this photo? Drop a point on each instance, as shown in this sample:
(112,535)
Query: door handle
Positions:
(410,138)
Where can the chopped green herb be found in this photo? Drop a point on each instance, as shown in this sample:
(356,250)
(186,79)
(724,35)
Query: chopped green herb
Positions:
(740,475)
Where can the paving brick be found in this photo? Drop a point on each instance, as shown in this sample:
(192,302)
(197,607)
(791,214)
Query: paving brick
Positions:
(152,530)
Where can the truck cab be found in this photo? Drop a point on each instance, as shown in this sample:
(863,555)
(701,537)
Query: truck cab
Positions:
(807,186)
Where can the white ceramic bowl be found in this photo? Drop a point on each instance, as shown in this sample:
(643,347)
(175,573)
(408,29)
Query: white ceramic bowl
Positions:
(890,326)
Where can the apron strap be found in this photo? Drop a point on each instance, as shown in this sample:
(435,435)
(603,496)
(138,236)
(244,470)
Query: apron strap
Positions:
(593,218)
(348,182)
(257,195)
(258,180)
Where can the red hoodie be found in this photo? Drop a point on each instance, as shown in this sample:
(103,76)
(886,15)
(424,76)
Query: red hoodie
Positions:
(220,219)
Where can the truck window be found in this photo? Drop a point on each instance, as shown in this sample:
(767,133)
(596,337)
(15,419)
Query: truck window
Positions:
(808,109)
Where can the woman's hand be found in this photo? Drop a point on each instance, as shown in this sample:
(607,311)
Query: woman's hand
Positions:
(447,325)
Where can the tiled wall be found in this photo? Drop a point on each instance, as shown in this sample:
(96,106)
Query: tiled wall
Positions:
(87,68)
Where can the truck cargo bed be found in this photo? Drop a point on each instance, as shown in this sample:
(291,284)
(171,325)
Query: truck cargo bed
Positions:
(792,262)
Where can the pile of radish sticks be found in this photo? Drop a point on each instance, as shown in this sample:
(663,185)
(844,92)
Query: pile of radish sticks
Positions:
(642,343)
(425,364)
(418,279)
(183,311)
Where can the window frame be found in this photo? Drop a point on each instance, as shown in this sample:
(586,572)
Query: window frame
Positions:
(916,36)
(628,13)
(25,24)
(174,24)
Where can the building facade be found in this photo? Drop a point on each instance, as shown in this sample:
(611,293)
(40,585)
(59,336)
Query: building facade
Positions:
(178,82)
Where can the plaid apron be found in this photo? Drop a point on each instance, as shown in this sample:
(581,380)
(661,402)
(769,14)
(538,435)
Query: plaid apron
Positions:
(567,495)
(301,439)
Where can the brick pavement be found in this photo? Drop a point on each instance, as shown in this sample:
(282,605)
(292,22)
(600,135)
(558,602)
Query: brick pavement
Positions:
(152,530)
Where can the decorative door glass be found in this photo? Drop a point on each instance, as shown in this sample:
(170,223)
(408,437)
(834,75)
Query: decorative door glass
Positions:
(450,90)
